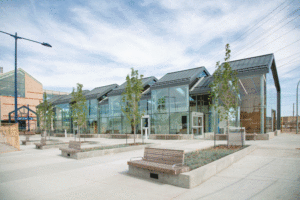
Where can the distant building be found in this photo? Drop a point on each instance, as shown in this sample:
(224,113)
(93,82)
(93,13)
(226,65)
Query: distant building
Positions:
(30,94)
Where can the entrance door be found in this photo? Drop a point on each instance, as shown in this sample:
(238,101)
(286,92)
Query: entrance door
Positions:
(197,124)
(145,126)
(22,125)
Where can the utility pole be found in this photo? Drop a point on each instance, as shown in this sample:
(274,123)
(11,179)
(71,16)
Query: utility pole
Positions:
(297,108)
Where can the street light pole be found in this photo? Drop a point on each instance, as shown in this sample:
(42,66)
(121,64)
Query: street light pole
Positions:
(16,76)
(297,108)
(16,80)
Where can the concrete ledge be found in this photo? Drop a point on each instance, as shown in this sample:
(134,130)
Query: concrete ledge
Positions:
(25,142)
(118,136)
(277,132)
(171,136)
(50,146)
(96,153)
(197,176)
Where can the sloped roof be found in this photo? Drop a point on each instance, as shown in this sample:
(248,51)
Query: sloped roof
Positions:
(55,98)
(121,88)
(67,98)
(179,78)
(203,87)
(253,65)
(100,91)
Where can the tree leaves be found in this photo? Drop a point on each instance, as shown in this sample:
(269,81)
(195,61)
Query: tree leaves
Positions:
(225,89)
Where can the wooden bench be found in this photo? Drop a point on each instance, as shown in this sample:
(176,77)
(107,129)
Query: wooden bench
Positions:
(167,161)
(74,147)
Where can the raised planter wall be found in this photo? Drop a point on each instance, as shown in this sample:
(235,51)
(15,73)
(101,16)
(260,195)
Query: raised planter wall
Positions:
(171,136)
(197,176)
(96,153)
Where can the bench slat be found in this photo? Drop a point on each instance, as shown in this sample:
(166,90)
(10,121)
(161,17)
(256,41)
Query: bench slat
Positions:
(164,168)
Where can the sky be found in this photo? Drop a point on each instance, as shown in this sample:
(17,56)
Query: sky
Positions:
(96,43)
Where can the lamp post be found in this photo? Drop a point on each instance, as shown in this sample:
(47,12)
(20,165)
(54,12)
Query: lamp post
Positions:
(297,108)
(16,91)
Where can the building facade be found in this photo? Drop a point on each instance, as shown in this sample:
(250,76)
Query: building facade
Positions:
(30,94)
(179,103)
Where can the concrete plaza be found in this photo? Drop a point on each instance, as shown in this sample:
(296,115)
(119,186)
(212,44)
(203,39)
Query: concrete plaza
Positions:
(272,171)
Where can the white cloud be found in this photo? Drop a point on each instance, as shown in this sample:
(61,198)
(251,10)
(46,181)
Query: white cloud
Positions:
(97,43)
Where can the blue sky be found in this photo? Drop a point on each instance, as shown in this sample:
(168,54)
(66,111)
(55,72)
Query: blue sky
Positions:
(97,42)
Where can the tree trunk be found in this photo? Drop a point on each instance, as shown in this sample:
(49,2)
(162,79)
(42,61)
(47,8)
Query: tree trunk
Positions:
(134,134)
(227,131)
(78,132)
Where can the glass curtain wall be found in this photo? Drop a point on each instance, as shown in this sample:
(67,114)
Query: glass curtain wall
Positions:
(170,110)
(253,102)
(115,121)
(200,103)
(271,107)
(7,83)
(103,118)
(62,120)
(92,106)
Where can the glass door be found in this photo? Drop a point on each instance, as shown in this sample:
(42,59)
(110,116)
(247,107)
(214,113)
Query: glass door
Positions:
(197,124)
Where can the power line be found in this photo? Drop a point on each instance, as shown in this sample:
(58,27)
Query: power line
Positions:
(287,46)
(291,61)
(272,40)
(262,36)
(288,57)
(263,19)
(268,15)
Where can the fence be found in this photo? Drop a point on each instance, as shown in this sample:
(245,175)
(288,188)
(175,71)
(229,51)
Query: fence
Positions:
(9,134)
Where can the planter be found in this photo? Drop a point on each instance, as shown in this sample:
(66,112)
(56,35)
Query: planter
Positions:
(96,153)
(197,176)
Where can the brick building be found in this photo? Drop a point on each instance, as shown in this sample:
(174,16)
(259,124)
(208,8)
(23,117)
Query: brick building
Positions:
(30,94)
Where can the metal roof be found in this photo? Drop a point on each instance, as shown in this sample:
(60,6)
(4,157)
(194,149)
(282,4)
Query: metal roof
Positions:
(67,98)
(254,65)
(203,87)
(121,89)
(179,78)
(98,92)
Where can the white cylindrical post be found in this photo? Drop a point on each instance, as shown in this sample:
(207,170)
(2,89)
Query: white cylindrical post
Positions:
(66,133)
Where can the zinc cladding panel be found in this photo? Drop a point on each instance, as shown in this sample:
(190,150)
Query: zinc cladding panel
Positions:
(121,89)
(178,78)
(254,63)
(99,91)
(203,86)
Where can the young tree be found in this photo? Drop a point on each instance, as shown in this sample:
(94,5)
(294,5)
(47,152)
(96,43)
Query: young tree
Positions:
(46,114)
(79,108)
(131,98)
(225,90)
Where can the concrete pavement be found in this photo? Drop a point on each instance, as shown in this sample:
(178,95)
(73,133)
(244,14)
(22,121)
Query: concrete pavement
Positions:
(270,172)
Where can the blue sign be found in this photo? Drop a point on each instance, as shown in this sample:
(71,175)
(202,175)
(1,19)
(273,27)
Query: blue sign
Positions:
(25,118)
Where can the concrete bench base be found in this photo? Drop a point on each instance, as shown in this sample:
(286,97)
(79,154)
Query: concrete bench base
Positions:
(50,146)
(96,153)
(266,136)
(30,142)
(171,136)
(195,177)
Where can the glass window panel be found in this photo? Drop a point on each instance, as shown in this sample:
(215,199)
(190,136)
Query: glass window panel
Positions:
(178,98)
(7,84)
(250,103)
(271,104)
(160,101)
(178,123)
(160,124)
